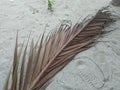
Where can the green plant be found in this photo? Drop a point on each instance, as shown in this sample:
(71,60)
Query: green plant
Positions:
(50,5)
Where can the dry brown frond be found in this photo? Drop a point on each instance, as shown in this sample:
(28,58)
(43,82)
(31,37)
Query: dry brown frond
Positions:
(55,51)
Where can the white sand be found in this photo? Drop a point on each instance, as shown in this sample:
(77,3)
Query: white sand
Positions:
(80,74)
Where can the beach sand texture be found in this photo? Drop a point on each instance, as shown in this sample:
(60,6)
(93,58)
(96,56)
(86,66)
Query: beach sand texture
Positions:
(84,72)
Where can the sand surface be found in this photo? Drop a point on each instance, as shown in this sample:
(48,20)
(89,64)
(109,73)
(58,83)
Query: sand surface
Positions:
(95,69)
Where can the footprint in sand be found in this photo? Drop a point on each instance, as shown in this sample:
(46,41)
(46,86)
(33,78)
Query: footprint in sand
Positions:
(86,76)
(90,73)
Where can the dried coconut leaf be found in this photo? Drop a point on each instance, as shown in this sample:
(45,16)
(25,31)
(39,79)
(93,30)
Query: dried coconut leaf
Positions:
(55,51)
(67,43)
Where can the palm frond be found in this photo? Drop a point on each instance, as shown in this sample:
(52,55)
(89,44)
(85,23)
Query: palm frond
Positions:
(65,43)
(55,51)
